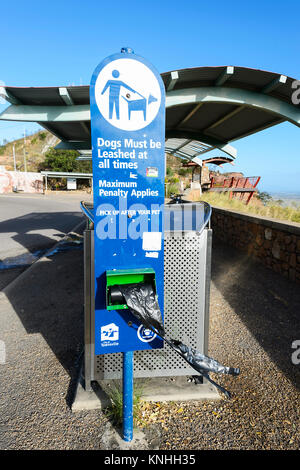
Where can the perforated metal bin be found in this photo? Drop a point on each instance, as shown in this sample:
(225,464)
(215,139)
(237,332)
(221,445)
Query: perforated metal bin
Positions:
(186,312)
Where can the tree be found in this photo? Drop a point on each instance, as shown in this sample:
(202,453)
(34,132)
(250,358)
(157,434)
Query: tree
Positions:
(264,197)
(64,160)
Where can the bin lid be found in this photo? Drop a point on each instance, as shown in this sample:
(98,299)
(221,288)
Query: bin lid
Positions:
(191,217)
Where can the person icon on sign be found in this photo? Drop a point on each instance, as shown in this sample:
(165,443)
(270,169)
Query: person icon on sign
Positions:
(114,87)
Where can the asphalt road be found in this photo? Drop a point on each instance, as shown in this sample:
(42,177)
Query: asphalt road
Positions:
(30,223)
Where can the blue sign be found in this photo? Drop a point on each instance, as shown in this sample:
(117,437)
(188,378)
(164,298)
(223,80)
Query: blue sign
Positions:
(127,98)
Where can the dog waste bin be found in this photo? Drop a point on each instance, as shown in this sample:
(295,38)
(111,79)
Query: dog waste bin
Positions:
(187,262)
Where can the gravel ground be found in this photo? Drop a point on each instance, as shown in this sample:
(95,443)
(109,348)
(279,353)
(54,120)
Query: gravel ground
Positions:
(254,319)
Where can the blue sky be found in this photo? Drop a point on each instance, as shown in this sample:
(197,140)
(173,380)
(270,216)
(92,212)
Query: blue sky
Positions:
(61,42)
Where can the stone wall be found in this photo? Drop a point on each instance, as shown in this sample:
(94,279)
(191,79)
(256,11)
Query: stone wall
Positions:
(273,243)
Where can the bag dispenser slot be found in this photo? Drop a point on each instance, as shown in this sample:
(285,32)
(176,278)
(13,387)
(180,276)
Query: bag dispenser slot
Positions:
(115,278)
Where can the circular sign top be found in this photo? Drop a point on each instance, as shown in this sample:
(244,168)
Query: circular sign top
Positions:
(127,94)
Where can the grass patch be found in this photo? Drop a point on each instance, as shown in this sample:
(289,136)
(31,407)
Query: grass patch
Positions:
(172,188)
(115,413)
(270,209)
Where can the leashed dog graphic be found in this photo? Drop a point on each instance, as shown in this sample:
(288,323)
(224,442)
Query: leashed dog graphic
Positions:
(139,104)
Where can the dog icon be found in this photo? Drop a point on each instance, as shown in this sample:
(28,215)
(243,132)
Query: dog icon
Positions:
(139,104)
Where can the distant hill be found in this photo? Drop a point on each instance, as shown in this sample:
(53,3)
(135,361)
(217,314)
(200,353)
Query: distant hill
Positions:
(174,163)
(36,146)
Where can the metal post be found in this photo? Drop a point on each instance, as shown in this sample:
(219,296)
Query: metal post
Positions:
(88,280)
(25,163)
(14,155)
(128,396)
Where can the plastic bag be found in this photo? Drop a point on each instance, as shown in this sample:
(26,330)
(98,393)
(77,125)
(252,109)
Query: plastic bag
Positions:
(203,364)
(142,302)
(200,362)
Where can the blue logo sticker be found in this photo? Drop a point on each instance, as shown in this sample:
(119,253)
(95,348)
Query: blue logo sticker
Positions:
(109,335)
(145,335)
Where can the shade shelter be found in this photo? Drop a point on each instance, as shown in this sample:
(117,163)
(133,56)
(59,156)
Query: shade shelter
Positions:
(206,108)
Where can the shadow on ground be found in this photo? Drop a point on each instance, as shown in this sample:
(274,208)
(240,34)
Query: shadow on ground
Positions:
(266,302)
(49,300)
(39,221)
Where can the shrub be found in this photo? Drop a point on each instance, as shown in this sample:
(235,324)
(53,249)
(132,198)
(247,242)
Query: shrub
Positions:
(174,180)
(172,189)
(42,135)
(183,171)
(170,172)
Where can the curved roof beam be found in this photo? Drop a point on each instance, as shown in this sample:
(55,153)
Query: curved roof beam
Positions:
(171,81)
(274,84)
(46,113)
(224,76)
(234,96)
